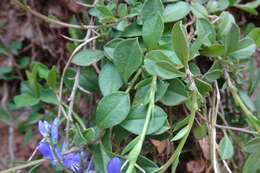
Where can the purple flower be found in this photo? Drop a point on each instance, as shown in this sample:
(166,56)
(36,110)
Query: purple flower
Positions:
(54,131)
(114,165)
(44,128)
(72,161)
(45,149)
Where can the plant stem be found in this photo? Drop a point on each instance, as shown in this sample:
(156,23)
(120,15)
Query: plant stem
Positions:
(252,119)
(132,82)
(133,155)
(24,166)
(57,22)
(178,150)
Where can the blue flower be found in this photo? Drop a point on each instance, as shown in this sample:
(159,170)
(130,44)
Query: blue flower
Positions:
(72,161)
(54,131)
(44,128)
(45,149)
(114,165)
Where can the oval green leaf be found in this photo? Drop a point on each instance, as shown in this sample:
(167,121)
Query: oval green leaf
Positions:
(112,109)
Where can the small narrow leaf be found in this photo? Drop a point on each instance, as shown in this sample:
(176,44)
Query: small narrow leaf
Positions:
(180,43)
(181,133)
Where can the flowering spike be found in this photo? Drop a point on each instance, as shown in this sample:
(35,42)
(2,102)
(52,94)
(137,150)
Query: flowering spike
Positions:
(54,131)
(114,165)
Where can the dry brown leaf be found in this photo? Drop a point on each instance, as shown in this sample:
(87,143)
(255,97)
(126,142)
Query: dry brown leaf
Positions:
(196,166)
(204,145)
(159,145)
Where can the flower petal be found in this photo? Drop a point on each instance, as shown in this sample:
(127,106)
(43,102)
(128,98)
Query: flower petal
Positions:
(44,128)
(72,161)
(45,149)
(114,165)
(54,131)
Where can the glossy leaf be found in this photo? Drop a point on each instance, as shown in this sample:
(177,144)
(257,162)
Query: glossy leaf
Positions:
(255,35)
(25,99)
(232,39)
(199,10)
(180,43)
(109,79)
(150,8)
(177,11)
(112,109)
(152,31)
(245,48)
(204,27)
(175,94)
(181,133)
(136,119)
(127,58)
(213,51)
(87,57)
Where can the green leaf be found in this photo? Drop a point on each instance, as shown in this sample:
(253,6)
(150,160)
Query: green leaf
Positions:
(48,96)
(25,99)
(225,22)
(200,131)
(245,48)
(122,10)
(132,30)
(112,109)
(204,27)
(213,75)
(127,58)
(181,123)
(152,31)
(175,94)
(251,165)
(109,79)
(87,57)
(232,38)
(110,47)
(214,6)
(130,145)
(213,51)
(180,43)
(255,35)
(142,94)
(177,11)
(100,157)
(247,100)
(226,149)
(32,78)
(253,145)
(103,13)
(203,86)
(136,119)
(52,78)
(150,8)
(250,7)
(163,69)
(181,133)
(199,10)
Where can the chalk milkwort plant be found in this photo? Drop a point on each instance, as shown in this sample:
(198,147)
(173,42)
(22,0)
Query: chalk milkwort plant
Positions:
(142,58)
